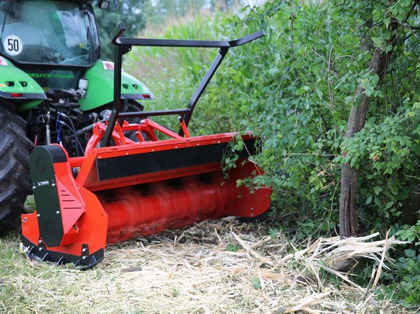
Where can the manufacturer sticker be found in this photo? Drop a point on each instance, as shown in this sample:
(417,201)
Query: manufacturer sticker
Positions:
(13,45)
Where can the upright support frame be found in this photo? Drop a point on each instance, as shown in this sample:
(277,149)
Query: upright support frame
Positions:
(123,45)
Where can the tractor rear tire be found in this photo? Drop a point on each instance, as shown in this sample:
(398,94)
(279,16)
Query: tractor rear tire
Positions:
(133,106)
(14,167)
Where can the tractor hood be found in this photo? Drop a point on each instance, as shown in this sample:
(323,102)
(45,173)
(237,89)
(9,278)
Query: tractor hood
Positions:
(100,89)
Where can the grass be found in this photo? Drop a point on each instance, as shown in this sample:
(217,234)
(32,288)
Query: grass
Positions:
(191,270)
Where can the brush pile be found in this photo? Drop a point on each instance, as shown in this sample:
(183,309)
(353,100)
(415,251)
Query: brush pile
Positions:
(228,266)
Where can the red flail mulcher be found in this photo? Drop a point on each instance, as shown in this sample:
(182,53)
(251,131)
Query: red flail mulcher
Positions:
(131,182)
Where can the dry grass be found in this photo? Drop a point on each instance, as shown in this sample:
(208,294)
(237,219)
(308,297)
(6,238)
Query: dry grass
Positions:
(213,267)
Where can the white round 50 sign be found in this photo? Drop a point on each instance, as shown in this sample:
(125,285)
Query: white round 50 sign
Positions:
(12,45)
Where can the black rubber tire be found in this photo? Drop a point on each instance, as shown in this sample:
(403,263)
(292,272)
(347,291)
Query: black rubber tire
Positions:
(14,167)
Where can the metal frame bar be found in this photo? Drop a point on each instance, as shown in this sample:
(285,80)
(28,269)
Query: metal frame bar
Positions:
(123,45)
(187,43)
(145,114)
(203,84)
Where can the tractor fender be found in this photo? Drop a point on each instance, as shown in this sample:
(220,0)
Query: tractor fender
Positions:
(18,87)
(100,79)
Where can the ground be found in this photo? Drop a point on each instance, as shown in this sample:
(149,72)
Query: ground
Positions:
(223,266)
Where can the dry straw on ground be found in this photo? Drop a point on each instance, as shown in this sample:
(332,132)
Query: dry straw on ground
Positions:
(212,267)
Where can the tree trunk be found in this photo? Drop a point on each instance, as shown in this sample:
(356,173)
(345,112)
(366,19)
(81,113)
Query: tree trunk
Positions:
(356,122)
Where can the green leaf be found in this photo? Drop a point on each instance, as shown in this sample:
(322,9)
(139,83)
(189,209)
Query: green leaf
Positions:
(302,90)
(377,190)
(410,253)
(231,248)
(256,283)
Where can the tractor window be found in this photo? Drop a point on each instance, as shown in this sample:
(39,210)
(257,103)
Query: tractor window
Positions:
(47,32)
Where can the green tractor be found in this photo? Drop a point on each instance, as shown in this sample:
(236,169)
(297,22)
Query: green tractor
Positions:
(53,87)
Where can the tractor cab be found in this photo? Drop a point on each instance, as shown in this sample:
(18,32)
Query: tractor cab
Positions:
(48,33)
(55,42)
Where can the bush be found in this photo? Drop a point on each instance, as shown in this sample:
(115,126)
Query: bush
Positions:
(294,89)
(403,284)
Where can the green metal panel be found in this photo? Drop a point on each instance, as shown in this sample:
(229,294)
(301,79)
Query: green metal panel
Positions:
(19,87)
(100,86)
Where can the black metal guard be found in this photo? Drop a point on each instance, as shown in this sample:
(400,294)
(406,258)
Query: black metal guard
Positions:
(124,45)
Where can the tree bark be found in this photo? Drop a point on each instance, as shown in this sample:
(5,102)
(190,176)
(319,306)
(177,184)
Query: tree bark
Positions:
(356,122)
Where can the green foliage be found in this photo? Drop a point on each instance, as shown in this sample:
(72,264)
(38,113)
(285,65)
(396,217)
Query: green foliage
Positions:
(291,111)
(231,154)
(174,74)
(311,86)
(127,11)
(295,88)
(404,285)
(410,233)
(158,11)
(256,283)
(231,248)
(384,153)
